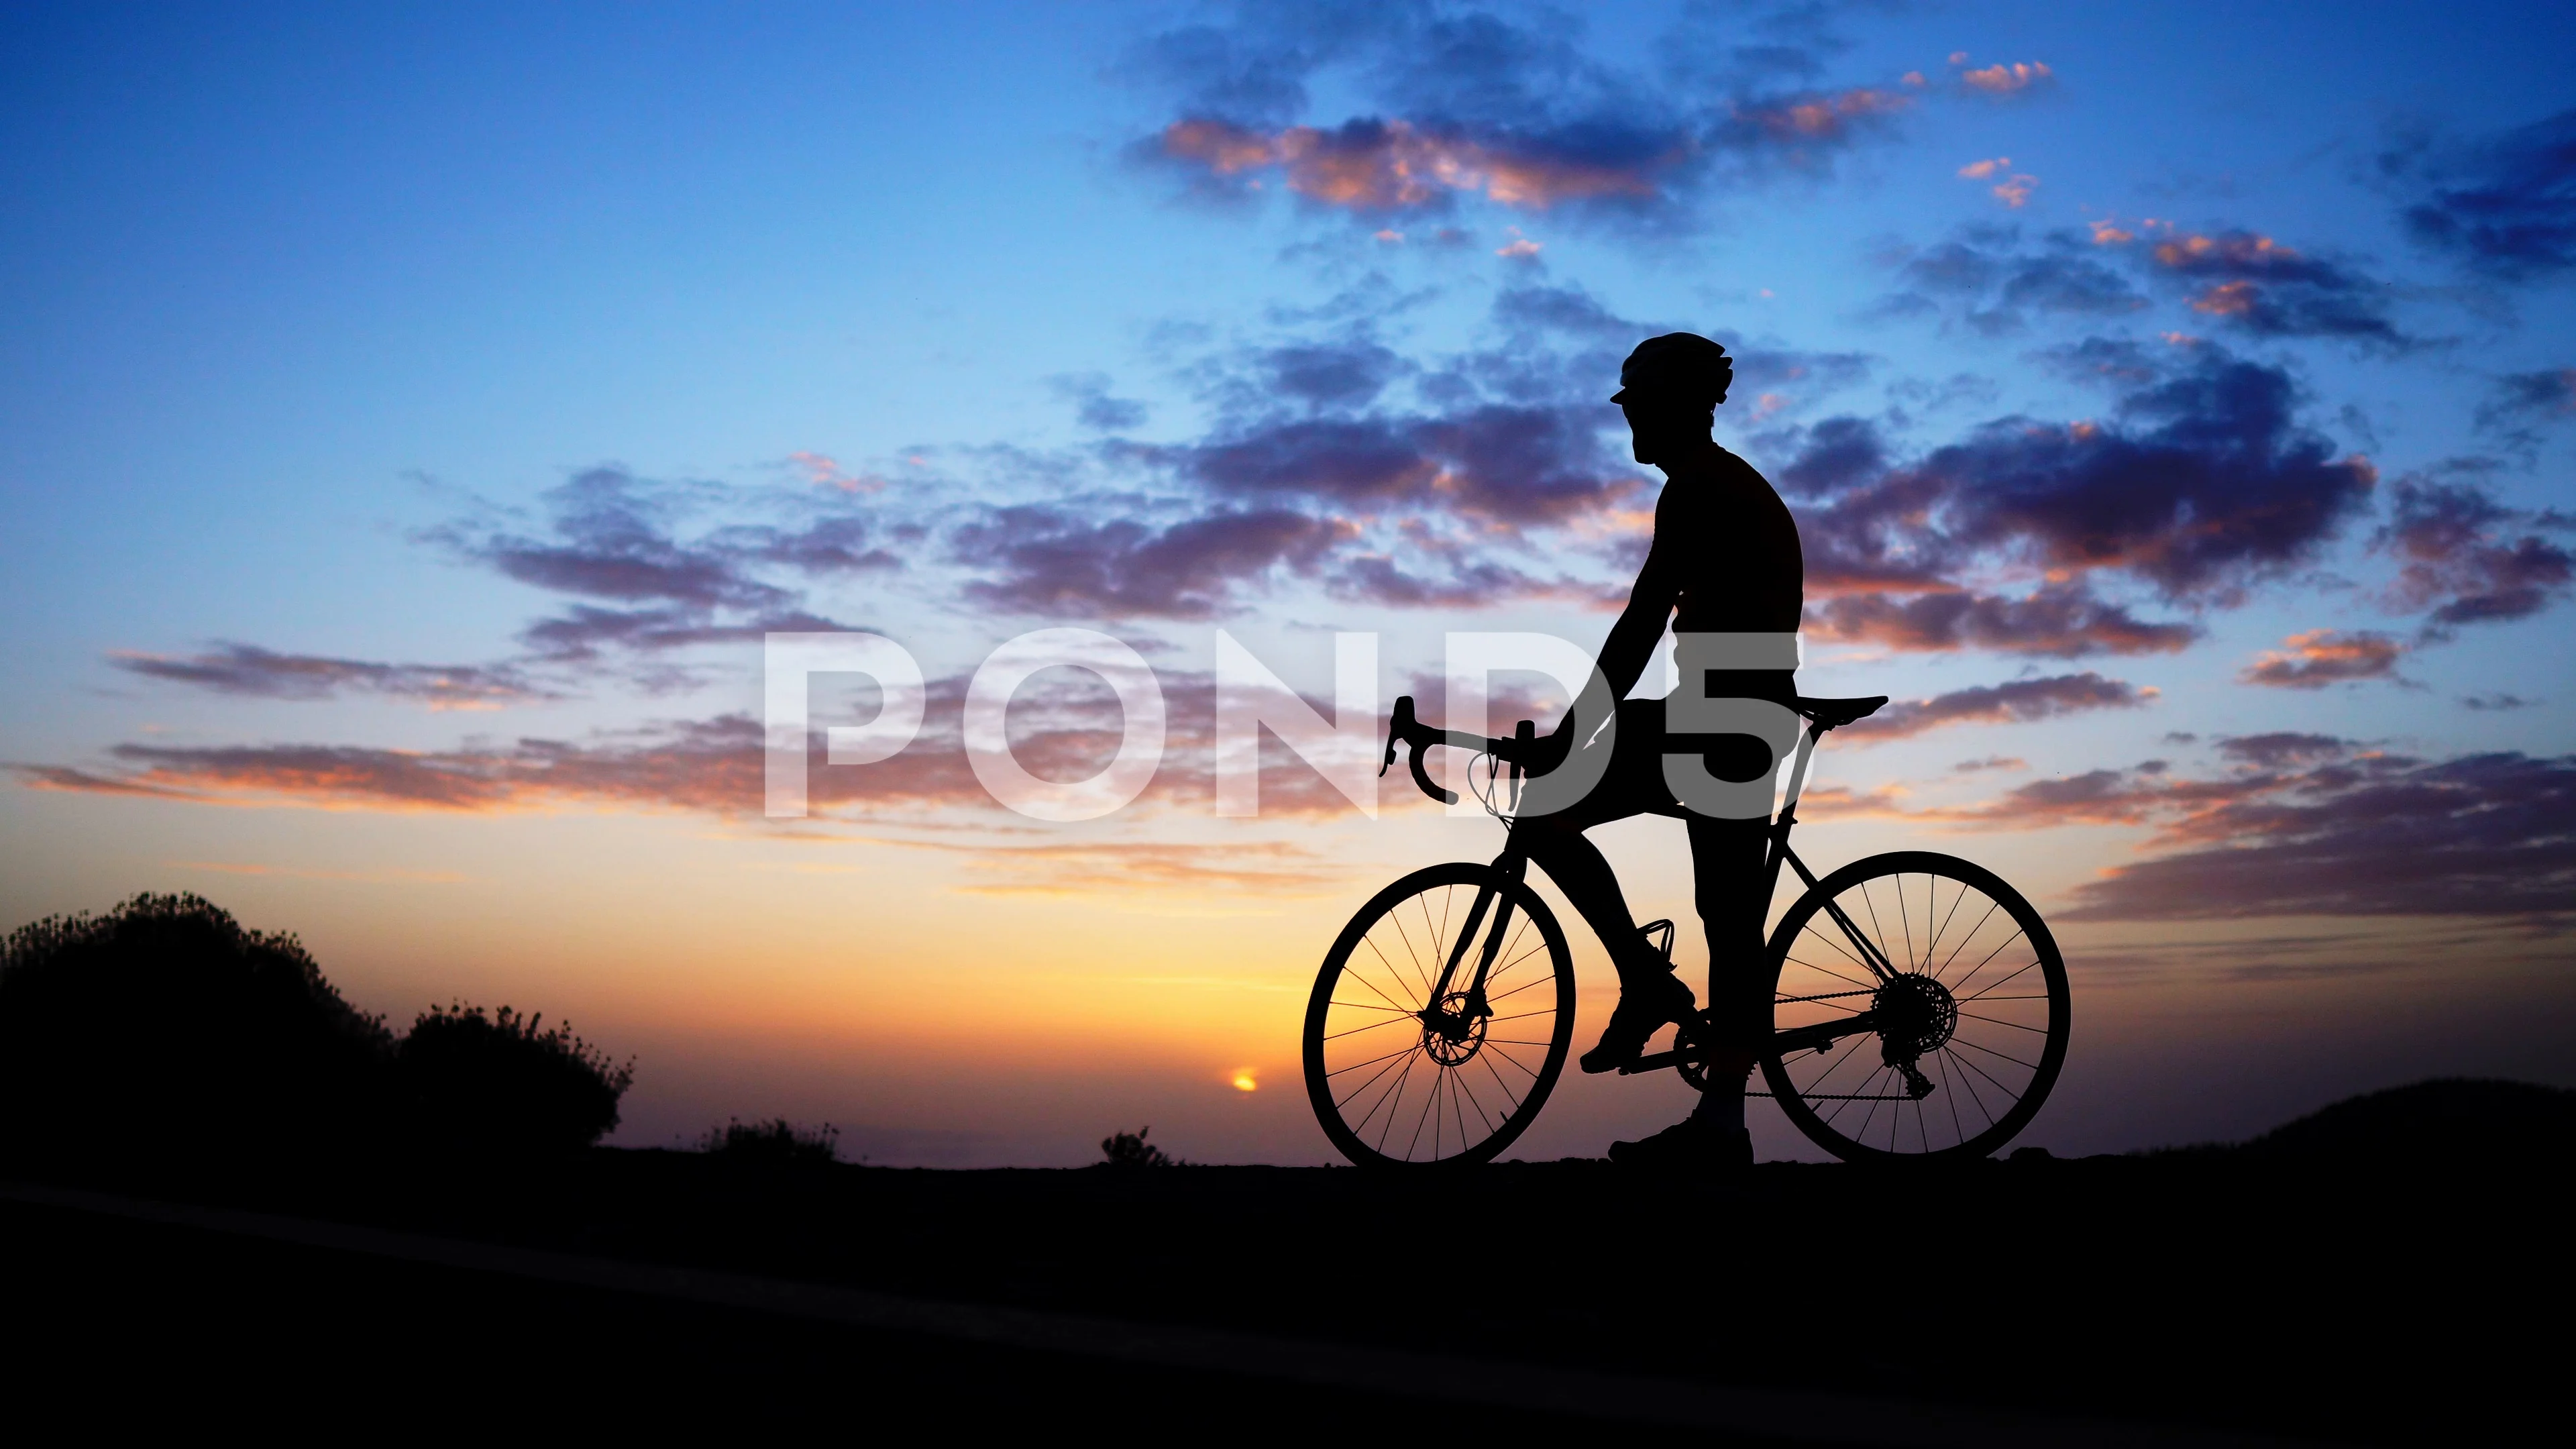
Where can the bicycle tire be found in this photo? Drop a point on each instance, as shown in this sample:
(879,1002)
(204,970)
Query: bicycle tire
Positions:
(1826,1092)
(1463,1127)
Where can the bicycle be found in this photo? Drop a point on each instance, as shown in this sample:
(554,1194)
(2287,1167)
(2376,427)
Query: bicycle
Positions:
(1974,1065)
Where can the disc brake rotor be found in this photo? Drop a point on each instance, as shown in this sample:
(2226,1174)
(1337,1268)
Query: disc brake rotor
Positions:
(1450,1034)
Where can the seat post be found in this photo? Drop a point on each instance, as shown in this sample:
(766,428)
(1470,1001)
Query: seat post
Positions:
(1798,772)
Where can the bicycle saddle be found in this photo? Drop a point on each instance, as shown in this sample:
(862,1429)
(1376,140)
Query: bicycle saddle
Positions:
(1835,713)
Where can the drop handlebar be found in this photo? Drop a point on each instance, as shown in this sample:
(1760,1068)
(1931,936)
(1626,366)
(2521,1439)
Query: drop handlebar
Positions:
(1405,729)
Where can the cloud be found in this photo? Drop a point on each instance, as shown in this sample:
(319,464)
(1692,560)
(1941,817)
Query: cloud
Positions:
(1087,869)
(1474,479)
(2468,559)
(2280,748)
(2115,361)
(1999,285)
(2319,657)
(250,671)
(2525,402)
(1460,581)
(2498,701)
(2549,393)
(2504,204)
(1059,730)
(825,471)
(614,538)
(2017,702)
(1048,560)
(1094,407)
(2061,622)
(2259,286)
(1377,168)
(2202,484)
(2482,835)
(610,540)
(2006,79)
(2012,189)
(1998,281)
(1454,106)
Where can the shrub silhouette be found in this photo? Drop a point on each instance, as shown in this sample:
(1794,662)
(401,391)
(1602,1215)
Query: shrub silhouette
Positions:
(497,1082)
(1130,1149)
(163,1025)
(774,1141)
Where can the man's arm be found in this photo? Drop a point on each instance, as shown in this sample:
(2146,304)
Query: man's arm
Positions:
(1640,628)
(1625,653)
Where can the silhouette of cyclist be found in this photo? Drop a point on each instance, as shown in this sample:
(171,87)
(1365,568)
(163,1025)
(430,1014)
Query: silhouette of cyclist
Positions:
(1724,562)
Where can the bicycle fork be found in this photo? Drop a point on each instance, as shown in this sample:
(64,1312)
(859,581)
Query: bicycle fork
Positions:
(1459,1023)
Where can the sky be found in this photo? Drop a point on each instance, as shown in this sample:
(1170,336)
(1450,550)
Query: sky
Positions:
(412,419)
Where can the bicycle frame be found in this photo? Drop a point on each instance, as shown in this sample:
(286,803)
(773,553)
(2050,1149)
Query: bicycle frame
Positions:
(1512,866)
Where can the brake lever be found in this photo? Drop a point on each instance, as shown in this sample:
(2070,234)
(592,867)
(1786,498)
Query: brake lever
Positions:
(1398,726)
(1401,728)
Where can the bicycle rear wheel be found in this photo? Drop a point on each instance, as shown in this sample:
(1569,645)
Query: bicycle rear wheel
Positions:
(1398,1079)
(1919,1010)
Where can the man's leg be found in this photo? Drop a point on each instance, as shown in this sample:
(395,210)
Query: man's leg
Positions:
(1556,843)
(1649,994)
(1727,859)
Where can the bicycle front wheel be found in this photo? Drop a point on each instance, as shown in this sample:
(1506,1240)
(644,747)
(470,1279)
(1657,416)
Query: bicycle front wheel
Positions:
(1919,1010)
(1403,1074)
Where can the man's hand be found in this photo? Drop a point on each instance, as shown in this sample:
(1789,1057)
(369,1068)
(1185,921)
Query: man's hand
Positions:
(1550,749)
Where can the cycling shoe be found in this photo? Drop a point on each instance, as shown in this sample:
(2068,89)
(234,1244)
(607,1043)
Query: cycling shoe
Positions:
(1690,1145)
(1642,1009)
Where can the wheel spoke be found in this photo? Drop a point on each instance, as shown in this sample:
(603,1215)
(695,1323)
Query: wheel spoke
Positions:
(2010,1096)
(1999,1021)
(1990,1051)
(1392,974)
(1829,971)
(1953,914)
(2004,981)
(1355,1066)
(1372,1026)
(1364,1086)
(1962,983)
(1907,921)
(1992,906)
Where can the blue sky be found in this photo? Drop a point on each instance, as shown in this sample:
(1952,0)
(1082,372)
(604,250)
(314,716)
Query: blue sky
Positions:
(363,362)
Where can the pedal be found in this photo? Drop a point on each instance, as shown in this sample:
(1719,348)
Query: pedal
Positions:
(1655,1062)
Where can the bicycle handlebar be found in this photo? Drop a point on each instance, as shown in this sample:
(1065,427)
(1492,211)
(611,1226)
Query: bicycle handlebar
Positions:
(1525,751)
(1403,728)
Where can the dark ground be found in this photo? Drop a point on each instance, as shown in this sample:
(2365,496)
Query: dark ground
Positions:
(2217,1290)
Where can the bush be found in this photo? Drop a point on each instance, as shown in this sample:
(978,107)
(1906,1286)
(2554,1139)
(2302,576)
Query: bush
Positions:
(774,1141)
(163,1025)
(1130,1149)
(494,1081)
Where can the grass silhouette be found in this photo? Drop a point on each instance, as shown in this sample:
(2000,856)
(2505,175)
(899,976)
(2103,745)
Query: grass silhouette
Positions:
(1130,1149)
(774,1141)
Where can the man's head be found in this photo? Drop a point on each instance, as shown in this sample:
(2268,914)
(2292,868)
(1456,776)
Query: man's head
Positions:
(1670,388)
